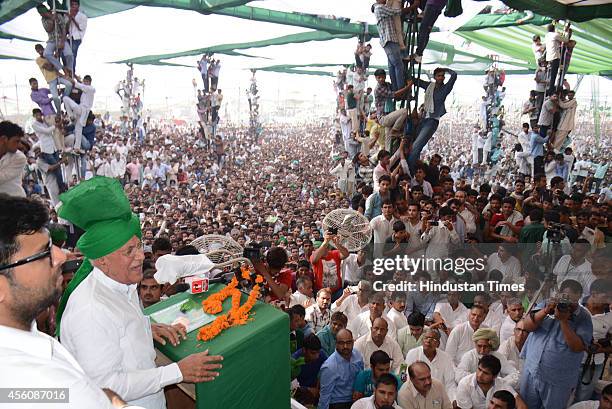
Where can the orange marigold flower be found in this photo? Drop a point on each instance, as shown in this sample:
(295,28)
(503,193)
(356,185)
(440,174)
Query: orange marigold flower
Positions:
(259,279)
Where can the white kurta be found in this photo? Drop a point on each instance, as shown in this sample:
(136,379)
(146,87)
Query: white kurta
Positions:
(469,365)
(367,347)
(104,328)
(362,325)
(442,368)
(35,360)
(350,307)
(460,341)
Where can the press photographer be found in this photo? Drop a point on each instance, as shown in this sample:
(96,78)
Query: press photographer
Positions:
(278,280)
(559,334)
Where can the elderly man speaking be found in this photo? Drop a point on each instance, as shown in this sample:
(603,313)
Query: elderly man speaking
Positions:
(102,322)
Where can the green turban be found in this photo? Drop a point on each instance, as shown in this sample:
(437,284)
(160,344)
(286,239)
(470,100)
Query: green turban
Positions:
(488,334)
(99,207)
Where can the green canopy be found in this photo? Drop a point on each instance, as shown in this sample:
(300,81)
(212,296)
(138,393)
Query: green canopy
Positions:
(228,48)
(8,36)
(574,10)
(592,55)
(467,68)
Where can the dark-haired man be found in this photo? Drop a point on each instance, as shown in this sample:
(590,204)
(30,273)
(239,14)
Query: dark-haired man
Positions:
(149,290)
(12,160)
(338,373)
(314,357)
(30,282)
(79,112)
(161,246)
(435,96)
(374,202)
(502,399)
(384,394)
(278,279)
(52,77)
(476,390)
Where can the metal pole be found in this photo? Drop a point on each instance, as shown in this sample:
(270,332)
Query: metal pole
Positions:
(17,96)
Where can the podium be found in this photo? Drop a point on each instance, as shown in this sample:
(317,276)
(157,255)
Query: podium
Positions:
(255,373)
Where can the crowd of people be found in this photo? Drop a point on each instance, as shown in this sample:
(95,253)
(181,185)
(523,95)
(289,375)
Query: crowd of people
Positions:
(428,185)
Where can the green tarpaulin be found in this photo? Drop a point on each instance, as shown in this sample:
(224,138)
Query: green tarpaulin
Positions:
(255,371)
(224,48)
(592,55)
(575,10)
(8,36)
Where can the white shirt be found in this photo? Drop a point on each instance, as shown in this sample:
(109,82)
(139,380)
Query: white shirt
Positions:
(507,329)
(297,298)
(362,325)
(510,269)
(442,368)
(495,316)
(382,229)
(49,180)
(588,404)
(511,352)
(78,33)
(565,269)
(602,326)
(44,133)
(105,329)
(12,167)
(469,365)
(398,318)
(87,97)
(35,360)
(469,394)
(451,317)
(460,341)
(367,347)
(350,307)
(553,45)
(351,272)
(368,403)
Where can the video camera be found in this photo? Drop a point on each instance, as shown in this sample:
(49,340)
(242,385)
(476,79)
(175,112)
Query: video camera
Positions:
(555,232)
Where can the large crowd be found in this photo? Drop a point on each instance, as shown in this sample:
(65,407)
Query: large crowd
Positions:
(509,188)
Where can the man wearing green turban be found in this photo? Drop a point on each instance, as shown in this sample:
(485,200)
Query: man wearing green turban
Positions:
(486,342)
(100,318)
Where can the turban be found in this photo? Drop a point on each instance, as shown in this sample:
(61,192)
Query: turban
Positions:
(489,334)
(99,207)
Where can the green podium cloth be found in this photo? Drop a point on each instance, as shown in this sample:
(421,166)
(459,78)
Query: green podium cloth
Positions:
(255,373)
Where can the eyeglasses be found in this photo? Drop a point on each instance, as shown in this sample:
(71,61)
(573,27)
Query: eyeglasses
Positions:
(35,257)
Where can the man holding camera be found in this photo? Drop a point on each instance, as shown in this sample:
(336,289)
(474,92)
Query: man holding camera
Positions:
(559,334)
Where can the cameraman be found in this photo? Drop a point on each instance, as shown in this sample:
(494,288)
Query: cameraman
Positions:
(278,280)
(559,334)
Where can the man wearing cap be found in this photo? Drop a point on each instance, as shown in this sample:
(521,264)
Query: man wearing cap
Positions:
(100,318)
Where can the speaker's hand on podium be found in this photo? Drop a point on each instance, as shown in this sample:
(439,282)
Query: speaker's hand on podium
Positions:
(200,367)
(172,333)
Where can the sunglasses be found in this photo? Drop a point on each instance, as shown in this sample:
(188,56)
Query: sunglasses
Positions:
(35,257)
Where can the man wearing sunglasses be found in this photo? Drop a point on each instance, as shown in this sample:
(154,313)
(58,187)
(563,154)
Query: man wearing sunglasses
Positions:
(30,281)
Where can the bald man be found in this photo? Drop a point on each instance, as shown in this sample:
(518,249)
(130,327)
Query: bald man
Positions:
(422,391)
(377,339)
(338,373)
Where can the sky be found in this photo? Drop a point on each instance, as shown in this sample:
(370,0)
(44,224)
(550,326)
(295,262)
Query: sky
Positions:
(169,90)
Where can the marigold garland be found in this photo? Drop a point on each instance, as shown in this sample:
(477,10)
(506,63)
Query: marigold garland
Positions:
(237,315)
